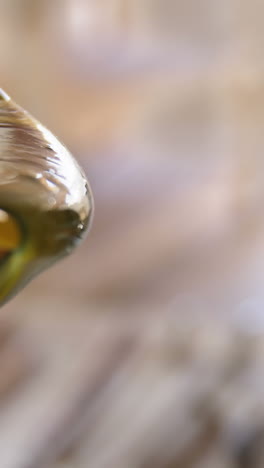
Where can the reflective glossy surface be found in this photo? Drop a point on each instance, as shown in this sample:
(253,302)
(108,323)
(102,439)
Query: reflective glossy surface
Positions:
(45,198)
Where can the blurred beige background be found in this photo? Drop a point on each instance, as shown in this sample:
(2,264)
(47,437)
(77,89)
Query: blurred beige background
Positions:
(162,102)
